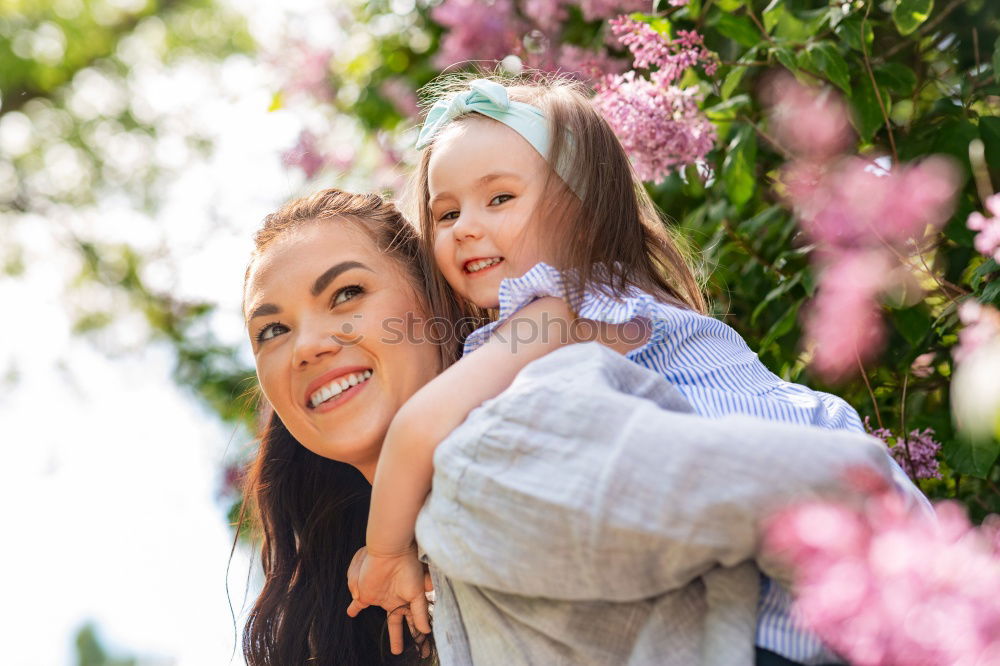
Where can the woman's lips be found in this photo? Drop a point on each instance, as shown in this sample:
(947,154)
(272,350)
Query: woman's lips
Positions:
(335,386)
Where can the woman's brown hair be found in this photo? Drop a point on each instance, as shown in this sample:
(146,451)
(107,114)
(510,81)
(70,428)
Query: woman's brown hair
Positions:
(610,236)
(312,512)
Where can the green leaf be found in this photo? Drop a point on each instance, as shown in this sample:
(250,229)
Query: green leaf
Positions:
(780,290)
(739,169)
(969,455)
(989,132)
(867,112)
(781,327)
(849,31)
(740,29)
(912,323)
(909,14)
(786,57)
(823,58)
(996,60)
(732,80)
(729,5)
(772,14)
(897,77)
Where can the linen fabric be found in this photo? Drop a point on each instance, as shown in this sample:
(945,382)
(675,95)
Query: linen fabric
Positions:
(588,516)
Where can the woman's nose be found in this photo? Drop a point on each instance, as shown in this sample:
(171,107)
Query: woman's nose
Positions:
(311,346)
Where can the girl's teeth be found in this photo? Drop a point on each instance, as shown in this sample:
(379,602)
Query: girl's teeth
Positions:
(481,264)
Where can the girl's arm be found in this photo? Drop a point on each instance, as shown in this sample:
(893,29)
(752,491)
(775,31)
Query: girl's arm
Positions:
(390,576)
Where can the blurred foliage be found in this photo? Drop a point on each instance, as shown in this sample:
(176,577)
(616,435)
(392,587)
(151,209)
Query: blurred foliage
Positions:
(919,76)
(74,129)
(90,651)
(920,79)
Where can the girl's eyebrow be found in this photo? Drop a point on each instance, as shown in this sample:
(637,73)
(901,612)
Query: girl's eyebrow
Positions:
(484,180)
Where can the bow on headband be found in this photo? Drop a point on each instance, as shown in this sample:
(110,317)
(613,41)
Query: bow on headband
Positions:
(490,99)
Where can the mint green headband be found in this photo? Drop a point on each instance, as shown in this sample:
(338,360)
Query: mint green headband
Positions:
(490,99)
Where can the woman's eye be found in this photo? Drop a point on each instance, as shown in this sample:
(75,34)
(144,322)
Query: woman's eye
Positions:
(501,198)
(272,330)
(345,294)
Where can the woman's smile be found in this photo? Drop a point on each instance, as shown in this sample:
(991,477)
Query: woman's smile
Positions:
(336,387)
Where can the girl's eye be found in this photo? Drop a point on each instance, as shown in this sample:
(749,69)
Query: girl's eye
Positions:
(449,216)
(345,294)
(501,198)
(270,331)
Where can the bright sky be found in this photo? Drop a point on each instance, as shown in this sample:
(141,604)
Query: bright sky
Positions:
(110,475)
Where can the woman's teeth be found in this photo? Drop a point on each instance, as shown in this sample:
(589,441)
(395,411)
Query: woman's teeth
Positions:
(480,264)
(338,386)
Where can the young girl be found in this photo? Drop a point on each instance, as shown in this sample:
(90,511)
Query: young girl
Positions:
(528,204)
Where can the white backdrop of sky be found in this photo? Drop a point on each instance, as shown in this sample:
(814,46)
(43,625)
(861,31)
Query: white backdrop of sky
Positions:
(110,473)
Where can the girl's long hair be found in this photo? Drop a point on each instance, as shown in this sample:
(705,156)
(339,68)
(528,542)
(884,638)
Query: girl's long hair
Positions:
(311,512)
(611,236)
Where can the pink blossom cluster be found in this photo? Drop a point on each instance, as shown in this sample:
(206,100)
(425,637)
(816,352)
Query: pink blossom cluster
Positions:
(863,214)
(587,65)
(477,30)
(916,454)
(981,324)
(660,127)
(987,241)
(602,9)
(307,71)
(305,154)
(659,124)
(884,586)
(670,56)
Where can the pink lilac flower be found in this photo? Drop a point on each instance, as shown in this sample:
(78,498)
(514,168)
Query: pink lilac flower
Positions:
(587,65)
(602,9)
(987,241)
(843,322)
(402,96)
(678,3)
(671,57)
(307,71)
(546,14)
(811,122)
(916,454)
(661,128)
(885,586)
(305,154)
(477,30)
(981,324)
(856,203)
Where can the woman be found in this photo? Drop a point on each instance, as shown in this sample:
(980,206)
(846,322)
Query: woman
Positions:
(328,273)
(341,339)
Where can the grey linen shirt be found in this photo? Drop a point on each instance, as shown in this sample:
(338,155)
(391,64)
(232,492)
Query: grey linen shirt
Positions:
(587,516)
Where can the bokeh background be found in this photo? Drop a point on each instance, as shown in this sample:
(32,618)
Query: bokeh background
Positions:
(142,141)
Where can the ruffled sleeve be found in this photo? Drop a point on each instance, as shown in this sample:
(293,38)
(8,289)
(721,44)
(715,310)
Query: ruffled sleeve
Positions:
(544,280)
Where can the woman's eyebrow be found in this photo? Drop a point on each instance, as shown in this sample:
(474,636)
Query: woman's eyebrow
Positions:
(264,309)
(330,274)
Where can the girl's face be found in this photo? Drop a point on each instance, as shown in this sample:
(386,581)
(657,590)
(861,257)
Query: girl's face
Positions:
(336,331)
(485,184)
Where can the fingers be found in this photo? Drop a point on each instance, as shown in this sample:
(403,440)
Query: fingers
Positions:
(418,610)
(395,622)
(354,571)
(355,608)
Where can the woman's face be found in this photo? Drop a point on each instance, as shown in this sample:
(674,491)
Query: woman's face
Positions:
(337,335)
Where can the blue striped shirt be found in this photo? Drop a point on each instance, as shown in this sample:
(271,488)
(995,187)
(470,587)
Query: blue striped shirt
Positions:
(712,366)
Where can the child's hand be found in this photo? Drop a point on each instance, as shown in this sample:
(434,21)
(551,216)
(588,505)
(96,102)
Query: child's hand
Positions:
(397,584)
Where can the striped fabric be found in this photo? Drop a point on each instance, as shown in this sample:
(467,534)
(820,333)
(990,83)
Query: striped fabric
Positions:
(719,374)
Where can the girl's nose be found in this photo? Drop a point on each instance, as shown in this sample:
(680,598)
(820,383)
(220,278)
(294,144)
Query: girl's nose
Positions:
(466,227)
